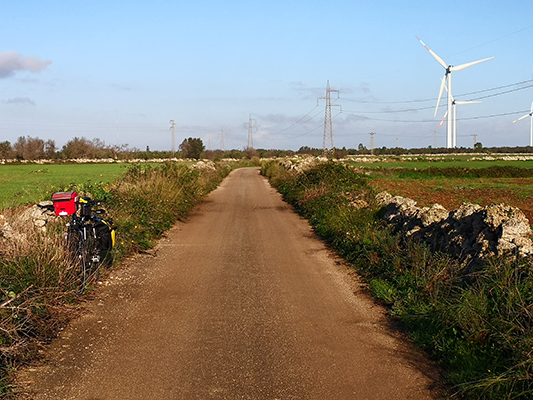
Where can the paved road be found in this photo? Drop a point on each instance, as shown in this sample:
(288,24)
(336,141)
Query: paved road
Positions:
(241,301)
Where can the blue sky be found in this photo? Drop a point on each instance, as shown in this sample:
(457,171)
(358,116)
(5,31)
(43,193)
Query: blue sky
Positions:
(119,71)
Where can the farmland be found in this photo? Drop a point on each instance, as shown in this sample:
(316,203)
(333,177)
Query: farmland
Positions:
(404,176)
(455,180)
(451,193)
(24,183)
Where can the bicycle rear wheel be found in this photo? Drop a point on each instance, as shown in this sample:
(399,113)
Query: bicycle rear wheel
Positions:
(104,239)
(83,254)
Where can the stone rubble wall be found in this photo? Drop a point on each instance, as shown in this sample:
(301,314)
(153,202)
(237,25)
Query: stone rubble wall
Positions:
(472,233)
(38,216)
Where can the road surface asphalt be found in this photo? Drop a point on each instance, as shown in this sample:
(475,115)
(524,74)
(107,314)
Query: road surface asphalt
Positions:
(240,301)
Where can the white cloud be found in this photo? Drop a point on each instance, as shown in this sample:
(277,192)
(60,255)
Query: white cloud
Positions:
(11,62)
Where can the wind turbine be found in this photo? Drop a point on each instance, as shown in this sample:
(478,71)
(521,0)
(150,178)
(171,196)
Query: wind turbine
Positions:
(454,116)
(531,124)
(451,140)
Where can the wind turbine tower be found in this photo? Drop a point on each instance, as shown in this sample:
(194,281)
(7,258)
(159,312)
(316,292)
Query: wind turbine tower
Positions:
(530,124)
(451,133)
(454,105)
(173,129)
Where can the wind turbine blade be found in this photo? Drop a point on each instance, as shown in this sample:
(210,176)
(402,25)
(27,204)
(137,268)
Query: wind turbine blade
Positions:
(522,117)
(468,102)
(442,86)
(463,66)
(443,118)
(439,60)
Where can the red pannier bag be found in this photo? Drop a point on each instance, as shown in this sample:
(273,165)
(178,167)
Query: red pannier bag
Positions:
(64,203)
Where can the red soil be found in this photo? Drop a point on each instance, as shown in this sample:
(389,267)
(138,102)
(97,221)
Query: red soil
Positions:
(452,194)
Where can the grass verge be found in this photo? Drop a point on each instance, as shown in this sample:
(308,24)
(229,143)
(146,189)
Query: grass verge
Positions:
(38,285)
(477,327)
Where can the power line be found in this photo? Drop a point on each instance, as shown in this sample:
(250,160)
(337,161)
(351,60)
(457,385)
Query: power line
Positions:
(392,111)
(495,115)
(389,102)
(296,123)
(434,99)
(499,87)
(507,91)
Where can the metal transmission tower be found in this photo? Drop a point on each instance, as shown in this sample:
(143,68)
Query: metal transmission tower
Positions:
(173,129)
(372,142)
(250,133)
(328,123)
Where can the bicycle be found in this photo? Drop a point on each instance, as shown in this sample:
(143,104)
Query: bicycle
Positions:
(89,237)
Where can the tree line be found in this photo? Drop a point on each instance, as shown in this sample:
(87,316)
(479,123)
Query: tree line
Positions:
(28,148)
(33,148)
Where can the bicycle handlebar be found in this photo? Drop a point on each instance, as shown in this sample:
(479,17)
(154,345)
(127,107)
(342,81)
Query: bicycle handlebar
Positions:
(89,201)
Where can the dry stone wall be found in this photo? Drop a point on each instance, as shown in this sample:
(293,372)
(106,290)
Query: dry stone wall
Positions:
(471,233)
(36,216)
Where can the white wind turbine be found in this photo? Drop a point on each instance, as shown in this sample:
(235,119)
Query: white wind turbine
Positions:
(454,117)
(531,124)
(451,140)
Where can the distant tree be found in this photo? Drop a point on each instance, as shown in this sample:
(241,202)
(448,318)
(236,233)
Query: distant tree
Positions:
(77,148)
(192,148)
(85,148)
(214,154)
(478,146)
(237,154)
(340,153)
(28,148)
(250,152)
(6,151)
(50,149)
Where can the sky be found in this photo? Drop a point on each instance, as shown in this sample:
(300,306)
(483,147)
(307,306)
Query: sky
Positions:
(120,71)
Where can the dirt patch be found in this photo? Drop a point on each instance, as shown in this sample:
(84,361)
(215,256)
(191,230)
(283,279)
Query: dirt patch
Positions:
(452,193)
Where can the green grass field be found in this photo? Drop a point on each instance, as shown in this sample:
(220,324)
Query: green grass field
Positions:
(441,162)
(31,183)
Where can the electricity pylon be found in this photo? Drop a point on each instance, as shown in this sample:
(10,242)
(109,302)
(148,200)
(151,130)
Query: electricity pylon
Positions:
(250,133)
(328,123)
